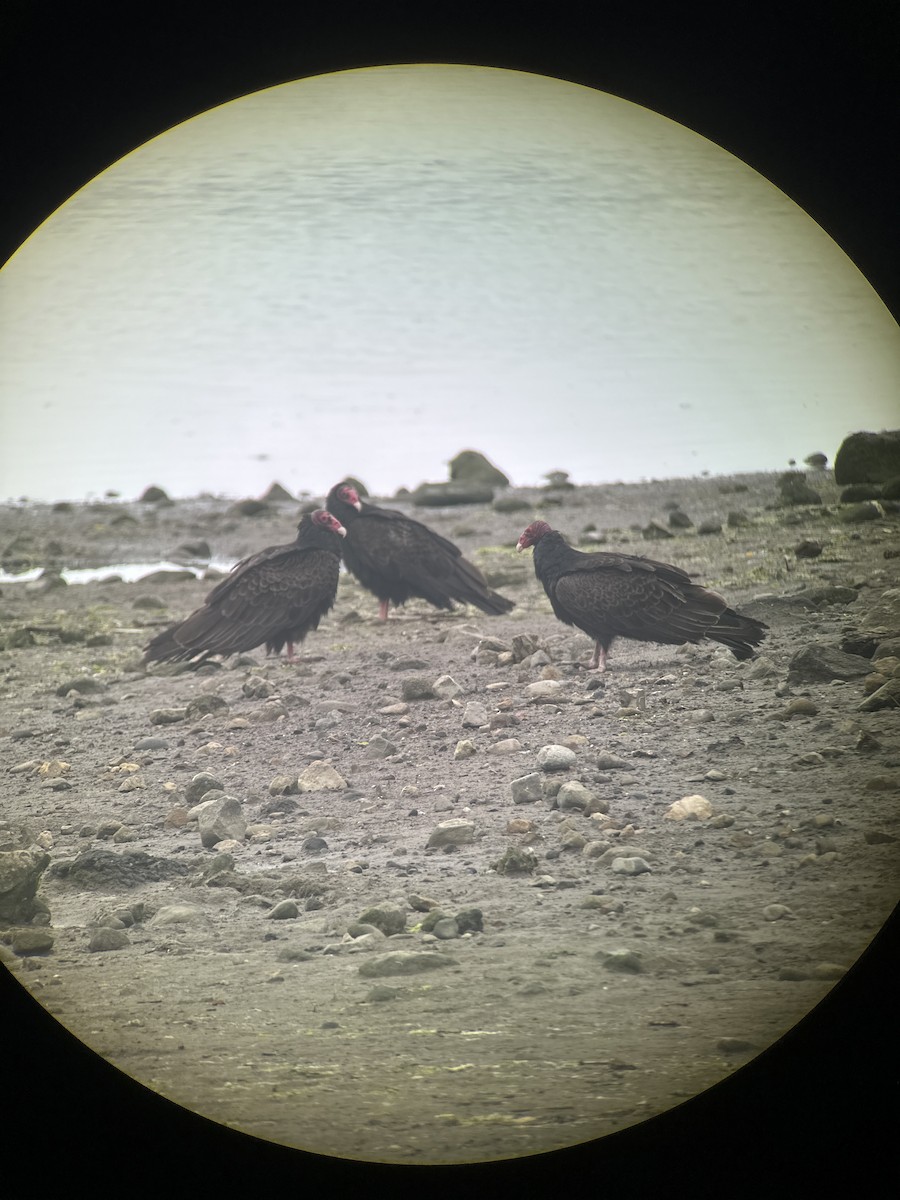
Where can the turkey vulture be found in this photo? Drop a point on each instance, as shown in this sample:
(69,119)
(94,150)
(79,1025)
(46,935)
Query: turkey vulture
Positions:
(622,595)
(273,597)
(396,557)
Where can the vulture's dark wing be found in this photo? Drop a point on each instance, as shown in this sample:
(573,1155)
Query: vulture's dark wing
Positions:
(430,565)
(407,532)
(635,598)
(281,591)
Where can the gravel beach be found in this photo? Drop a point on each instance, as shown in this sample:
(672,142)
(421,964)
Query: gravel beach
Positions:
(436,893)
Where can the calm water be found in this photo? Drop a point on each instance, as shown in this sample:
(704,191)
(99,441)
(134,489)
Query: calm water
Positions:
(366,273)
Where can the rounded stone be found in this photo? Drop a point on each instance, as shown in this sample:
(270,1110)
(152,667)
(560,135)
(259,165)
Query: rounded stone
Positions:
(281,785)
(505,746)
(31,941)
(689,808)
(201,785)
(257,688)
(177,914)
(417,687)
(547,691)
(452,833)
(388,919)
(629,866)
(556,758)
(621,960)
(775,912)
(469,920)
(404,962)
(202,705)
(573,795)
(108,939)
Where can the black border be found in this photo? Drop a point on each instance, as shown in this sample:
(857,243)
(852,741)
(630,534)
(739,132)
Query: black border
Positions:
(814,1114)
(806,94)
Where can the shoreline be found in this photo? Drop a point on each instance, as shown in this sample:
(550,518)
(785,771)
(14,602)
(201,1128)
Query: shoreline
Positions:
(302,495)
(167,529)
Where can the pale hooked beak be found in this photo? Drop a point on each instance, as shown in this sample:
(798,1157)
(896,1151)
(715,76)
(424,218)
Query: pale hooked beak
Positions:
(341,530)
(520,546)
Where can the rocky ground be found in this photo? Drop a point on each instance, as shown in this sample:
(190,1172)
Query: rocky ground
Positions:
(454,909)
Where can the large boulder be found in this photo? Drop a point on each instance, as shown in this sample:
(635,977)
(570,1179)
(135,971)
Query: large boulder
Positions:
(868,457)
(277,495)
(20,877)
(471,467)
(857,492)
(794,489)
(153,495)
(820,664)
(249,508)
(441,495)
(884,615)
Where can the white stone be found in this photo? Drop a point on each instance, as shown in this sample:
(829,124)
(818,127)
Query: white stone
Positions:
(464,749)
(474,715)
(573,795)
(689,808)
(776,912)
(556,758)
(177,914)
(321,777)
(221,819)
(527,788)
(452,833)
(629,866)
(446,687)
(505,746)
(548,691)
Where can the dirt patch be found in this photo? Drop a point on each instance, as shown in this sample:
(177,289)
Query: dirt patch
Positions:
(621,961)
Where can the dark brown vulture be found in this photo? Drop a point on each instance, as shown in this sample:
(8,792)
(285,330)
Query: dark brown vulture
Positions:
(396,557)
(274,597)
(621,595)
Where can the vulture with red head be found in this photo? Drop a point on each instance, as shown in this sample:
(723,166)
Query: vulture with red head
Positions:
(396,557)
(273,598)
(622,595)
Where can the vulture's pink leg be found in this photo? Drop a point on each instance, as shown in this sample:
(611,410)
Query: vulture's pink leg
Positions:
(598,660)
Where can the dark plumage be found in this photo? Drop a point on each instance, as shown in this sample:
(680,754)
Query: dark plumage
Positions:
(620,595)
(274,597)
(396,557)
